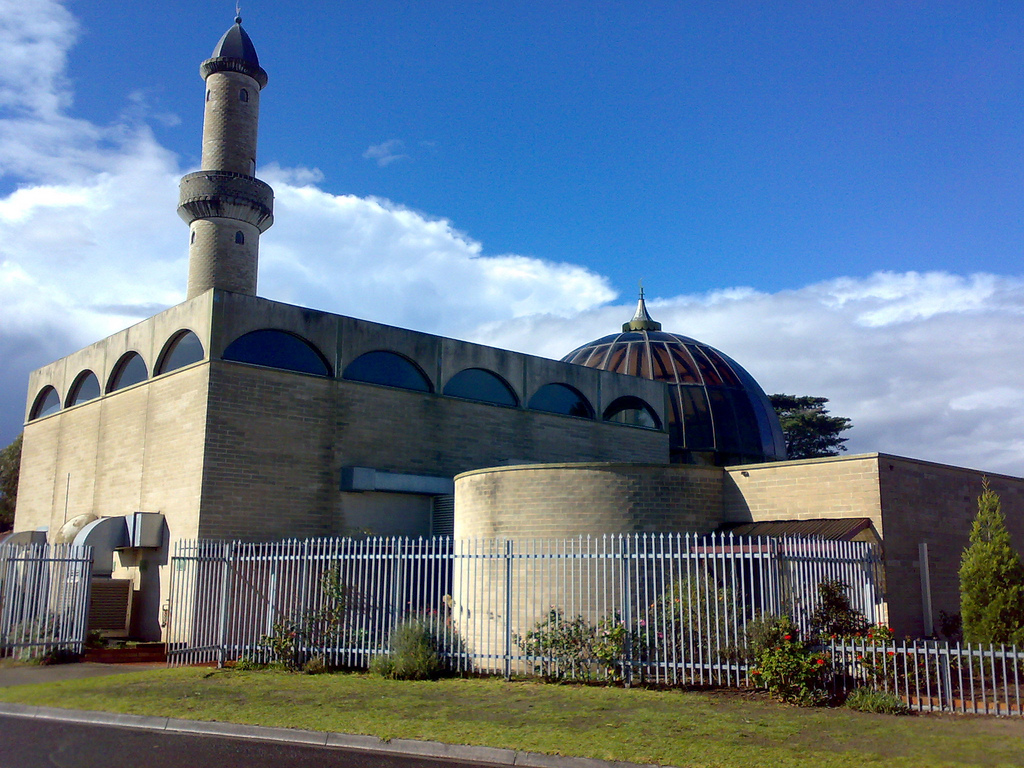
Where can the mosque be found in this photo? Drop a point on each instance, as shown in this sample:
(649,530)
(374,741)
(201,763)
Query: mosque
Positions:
(230,416)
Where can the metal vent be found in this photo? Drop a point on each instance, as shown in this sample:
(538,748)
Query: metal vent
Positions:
(442,515)
(110,606)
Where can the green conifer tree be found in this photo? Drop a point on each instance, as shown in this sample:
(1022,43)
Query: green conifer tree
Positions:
(991,578)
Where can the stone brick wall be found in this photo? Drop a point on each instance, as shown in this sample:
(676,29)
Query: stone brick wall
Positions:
(277,441)
(230,125)
(138,449)
(562,500)
(935,504)
(908,501)
(845,486)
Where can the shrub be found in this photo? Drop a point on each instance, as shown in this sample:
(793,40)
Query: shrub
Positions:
(695,616)
(248,664)
(768,631)
(792,672)
(616,646)
(562,648)
(834,616)
(414,652)
(316,666)
(294,640)
(879,702)
(991,578)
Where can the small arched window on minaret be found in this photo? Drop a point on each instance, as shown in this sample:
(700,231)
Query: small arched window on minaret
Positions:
(239,238)
(209,94)
(243,95)
(192,239)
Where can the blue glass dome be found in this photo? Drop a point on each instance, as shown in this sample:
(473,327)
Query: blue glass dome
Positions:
(719,415)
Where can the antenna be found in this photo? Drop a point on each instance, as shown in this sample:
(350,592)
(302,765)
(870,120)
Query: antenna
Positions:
(238,11)
(641,287)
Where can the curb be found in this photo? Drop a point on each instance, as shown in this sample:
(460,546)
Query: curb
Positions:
(492,755)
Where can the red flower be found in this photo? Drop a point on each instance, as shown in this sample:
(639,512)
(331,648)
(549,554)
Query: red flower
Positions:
(787,637)
(892,653)
(820,662)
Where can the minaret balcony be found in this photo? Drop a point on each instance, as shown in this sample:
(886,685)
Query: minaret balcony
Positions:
(226,195)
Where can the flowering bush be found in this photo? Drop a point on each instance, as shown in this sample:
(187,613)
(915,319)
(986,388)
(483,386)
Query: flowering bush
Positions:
(792,672)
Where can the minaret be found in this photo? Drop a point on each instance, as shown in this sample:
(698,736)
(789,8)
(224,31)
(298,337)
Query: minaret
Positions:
(225,206)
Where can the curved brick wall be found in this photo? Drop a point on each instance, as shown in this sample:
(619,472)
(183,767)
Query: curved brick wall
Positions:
(561,500)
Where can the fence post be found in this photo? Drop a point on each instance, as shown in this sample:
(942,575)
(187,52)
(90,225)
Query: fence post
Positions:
(508,608)
(627,612)
(225,595)
(926,590)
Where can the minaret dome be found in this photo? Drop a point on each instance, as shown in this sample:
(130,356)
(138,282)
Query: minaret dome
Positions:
(226,207)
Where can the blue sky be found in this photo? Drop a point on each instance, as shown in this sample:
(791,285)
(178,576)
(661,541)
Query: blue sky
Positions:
(829,193)
(695,145)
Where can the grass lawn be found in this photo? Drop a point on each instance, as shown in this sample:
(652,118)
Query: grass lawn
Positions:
(645,726)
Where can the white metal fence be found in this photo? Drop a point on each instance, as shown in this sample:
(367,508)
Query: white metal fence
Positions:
(664,608)
(936,676)
(44,598)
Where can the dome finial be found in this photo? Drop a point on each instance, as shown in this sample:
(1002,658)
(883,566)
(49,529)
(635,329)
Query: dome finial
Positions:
(238,13)
(642,320)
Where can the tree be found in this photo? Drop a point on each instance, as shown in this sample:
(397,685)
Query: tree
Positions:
(991,578)
(809,430)
(10,464)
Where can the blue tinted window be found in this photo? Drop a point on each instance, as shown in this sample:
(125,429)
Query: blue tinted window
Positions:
(277,349)
(130,369)
(698,432)
(388,369)
(633,411)
(85,388)
(561,398)
(482,385)
(184,349)
(46,403)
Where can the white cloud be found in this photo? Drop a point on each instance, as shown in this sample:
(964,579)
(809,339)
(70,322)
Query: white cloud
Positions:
(386,153)
(90,243)
(926,365)
(941,382)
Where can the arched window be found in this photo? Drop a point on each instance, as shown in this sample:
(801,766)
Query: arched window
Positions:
(192,237)
(85,388)
(243,95)
(277,349)
(47,402)
(184,348)
(208,94)
(130,369)
(561,398)
(389,369)
(634,411)
(239,238)
(481,385)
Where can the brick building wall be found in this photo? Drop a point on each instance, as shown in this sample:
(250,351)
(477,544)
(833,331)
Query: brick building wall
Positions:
(909,502)
(562,500)
(277,441)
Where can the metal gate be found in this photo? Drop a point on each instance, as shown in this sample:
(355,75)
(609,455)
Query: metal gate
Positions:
(44,598)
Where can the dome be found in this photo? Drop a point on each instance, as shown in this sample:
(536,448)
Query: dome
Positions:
(235,44)
(718,415)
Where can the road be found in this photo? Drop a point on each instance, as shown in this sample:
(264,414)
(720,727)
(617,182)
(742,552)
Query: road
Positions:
(37,743)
